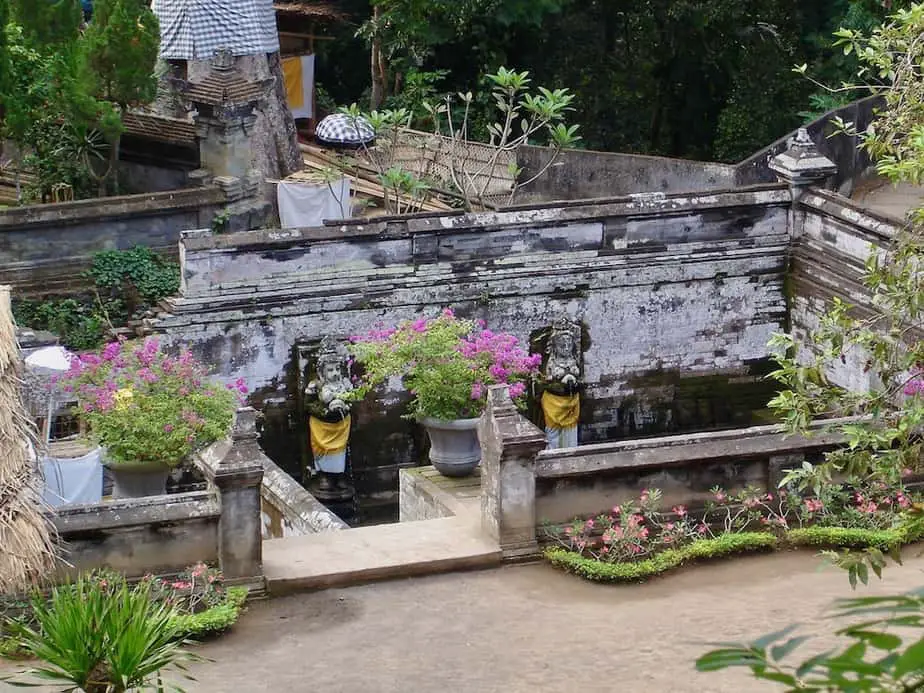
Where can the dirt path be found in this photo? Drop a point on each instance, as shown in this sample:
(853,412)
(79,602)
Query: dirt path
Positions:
(524,629)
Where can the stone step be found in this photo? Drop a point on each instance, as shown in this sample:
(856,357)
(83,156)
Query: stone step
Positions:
(382,552)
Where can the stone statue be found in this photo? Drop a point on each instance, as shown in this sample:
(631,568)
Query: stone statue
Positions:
(328,402)
(561,384)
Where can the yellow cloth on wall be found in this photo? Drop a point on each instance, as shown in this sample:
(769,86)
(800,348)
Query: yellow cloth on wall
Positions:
(328,438)
(561,411)
(292,76)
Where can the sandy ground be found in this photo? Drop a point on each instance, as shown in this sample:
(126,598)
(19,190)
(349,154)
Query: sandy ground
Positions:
(527,628)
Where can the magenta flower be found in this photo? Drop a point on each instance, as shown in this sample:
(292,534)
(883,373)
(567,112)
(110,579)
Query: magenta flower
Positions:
(168,428)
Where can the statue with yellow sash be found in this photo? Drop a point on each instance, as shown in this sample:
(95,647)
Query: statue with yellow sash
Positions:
(561,384)
(328,400)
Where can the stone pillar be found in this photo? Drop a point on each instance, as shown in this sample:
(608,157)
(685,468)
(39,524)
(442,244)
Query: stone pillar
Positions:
(509,445)
(238,476)
(801,166)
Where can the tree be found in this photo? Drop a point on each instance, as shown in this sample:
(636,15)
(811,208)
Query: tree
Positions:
(26,548)
(884,438)
(122,43)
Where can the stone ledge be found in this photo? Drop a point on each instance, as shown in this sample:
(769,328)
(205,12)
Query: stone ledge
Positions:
(369,554)
(132,512)
(444,496)
(61,213)
(648,453)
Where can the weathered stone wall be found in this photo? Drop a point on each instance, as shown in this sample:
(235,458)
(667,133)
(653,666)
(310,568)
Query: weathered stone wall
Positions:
(157,535)
(835,239)
(580,174)
(587,481)
(44,248)
(679,295)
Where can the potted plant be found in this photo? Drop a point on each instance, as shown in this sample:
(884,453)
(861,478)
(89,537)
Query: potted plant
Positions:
(149,411)
(447,364)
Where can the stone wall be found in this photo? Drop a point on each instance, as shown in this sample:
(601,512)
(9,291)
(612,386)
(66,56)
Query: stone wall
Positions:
(581,174)
(834,239)
(44,248)
(157,535)
(679,295)
(587,481)
(524,487)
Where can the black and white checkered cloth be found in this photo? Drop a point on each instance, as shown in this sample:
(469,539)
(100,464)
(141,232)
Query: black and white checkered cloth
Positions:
(198,29)
(340,129)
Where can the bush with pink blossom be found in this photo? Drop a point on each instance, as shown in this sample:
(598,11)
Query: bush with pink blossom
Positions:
(870,513)
(446,363)
(147,408)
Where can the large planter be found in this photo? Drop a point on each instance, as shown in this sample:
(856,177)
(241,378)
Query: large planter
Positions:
(138,480)
(454,446)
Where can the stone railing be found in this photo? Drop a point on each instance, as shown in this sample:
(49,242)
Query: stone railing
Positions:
(289,510)
(165,534)
(525,486)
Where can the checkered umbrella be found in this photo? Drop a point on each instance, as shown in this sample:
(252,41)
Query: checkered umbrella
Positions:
(343,130)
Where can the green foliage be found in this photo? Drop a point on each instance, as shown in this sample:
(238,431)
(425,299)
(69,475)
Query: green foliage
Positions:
(215,619)
(703,549)
(53,22)
(101,639)
(140,277)
(877,657)
(881,422)
(200,605)
(124,283)
(847,537)
(122,44)
(79,323)
(65,94)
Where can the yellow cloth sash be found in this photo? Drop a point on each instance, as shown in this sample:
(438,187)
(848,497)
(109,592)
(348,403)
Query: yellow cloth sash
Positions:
(292,77)
(328,438)
(561,411)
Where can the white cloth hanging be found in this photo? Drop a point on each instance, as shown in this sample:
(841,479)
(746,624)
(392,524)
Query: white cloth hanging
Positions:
(73,480)
(305,205)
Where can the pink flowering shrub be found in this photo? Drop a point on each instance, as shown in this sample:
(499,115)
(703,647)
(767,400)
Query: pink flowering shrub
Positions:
(146,407)
(638,529)
(446,363)
(198,588)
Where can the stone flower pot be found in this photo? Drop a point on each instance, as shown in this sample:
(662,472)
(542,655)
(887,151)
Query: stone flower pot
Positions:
(454,446)
(138,480)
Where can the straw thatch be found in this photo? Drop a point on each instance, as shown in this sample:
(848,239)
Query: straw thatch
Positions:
(26,537)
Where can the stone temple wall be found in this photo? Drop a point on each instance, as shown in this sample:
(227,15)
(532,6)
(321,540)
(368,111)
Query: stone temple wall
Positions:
(678,294)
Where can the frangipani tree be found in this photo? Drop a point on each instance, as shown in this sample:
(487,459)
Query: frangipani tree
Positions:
(523,115)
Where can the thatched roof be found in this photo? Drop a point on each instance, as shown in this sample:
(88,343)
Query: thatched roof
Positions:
(312,9)
(26,548)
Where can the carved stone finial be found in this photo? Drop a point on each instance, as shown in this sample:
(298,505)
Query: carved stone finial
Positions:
(802,163)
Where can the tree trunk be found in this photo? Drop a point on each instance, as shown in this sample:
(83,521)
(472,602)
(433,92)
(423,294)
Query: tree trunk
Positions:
(378,71)
(287,151)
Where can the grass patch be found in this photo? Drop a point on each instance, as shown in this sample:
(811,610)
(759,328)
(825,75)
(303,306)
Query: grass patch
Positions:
(704,549)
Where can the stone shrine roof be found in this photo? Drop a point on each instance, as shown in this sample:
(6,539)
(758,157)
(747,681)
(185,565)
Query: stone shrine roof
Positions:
(159,128)
(224,87)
